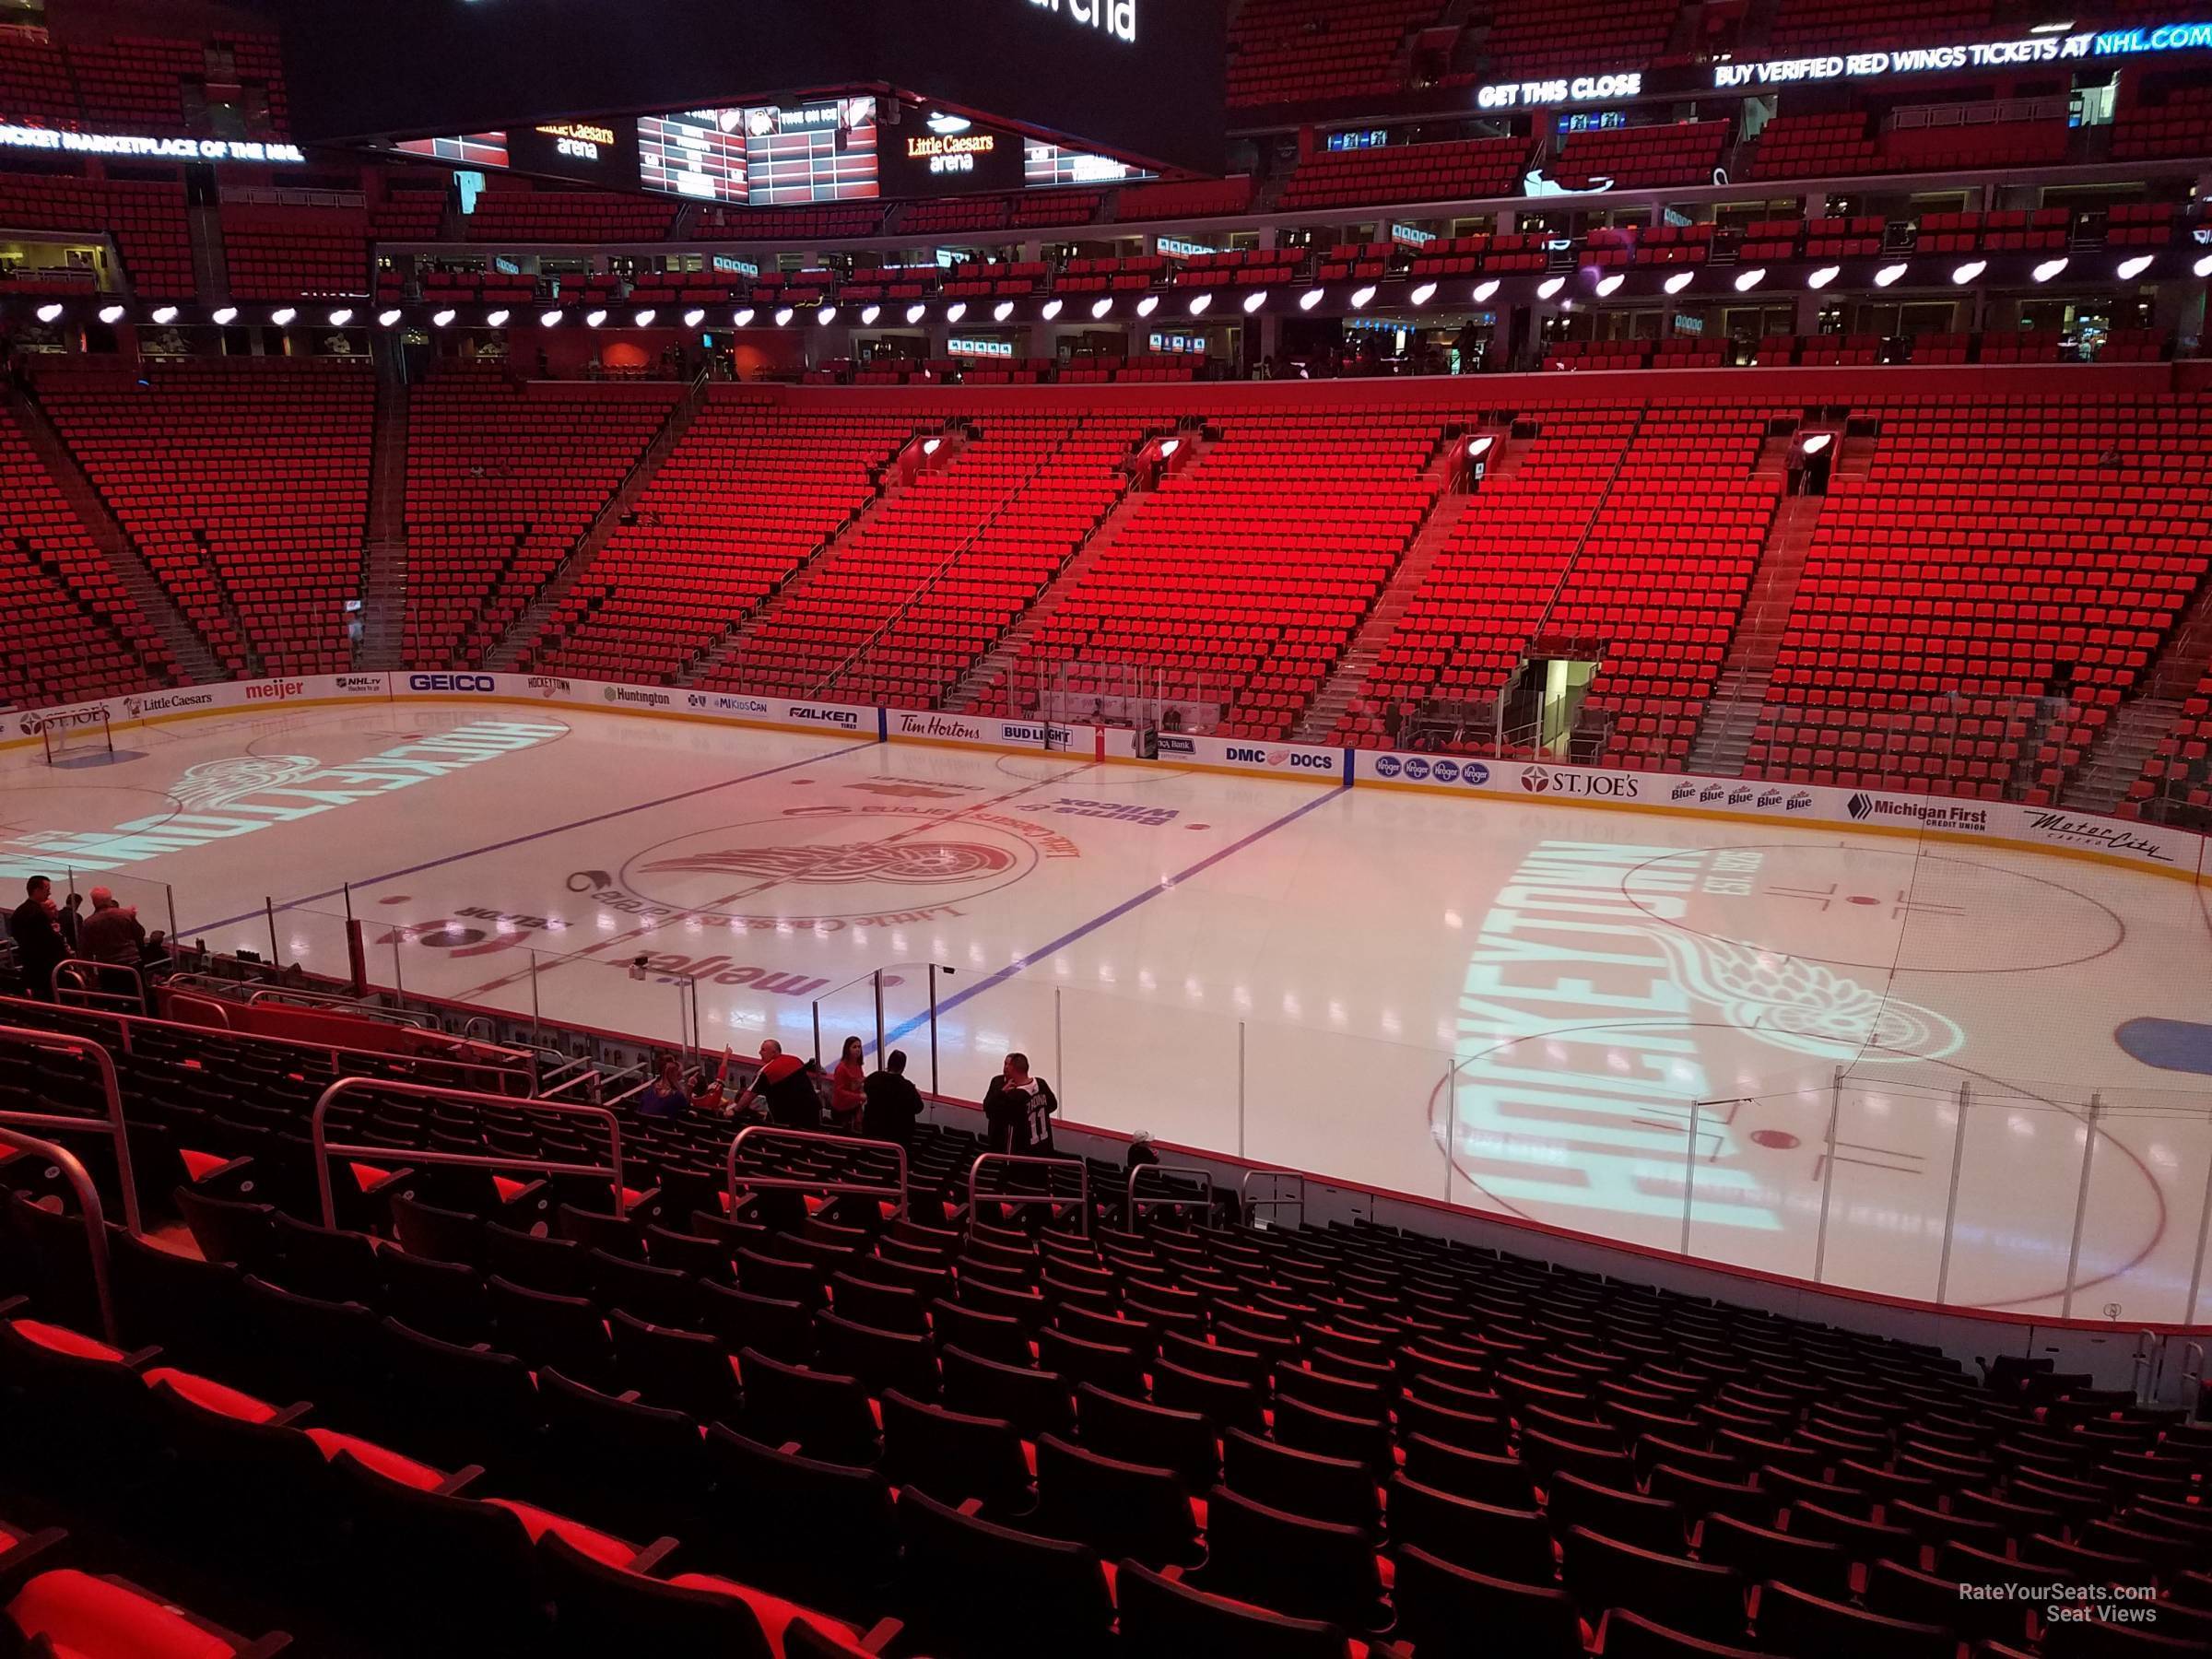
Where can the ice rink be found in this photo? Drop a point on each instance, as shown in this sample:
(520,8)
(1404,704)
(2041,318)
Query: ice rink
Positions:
(1554,1011)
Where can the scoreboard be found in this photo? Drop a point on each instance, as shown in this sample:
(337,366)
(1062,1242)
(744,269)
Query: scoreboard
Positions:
(1139,81)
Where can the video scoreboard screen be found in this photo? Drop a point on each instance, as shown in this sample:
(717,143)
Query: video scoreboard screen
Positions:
(1139,80)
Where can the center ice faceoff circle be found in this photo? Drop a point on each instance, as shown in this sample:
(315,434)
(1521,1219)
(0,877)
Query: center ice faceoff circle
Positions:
(839,863)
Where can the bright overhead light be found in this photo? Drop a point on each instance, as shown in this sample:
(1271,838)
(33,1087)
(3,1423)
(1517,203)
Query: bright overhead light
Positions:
(1818,441)
(1199,302)
(1099,308)
(694,317)
(644,318)
(49,313)
(827,315)
(2131,268)
(339,318)
(1748,281)
(1823,277)
(111,314)
(1423,294)
(1679,280)
(1550,286)
(388,317)
(1308,300)
(223,315)
(1962,274)
(784,313)
(2203,266)
(595,318)
(1484,289)
(742,317)
(165,314)
(1147,305)
(1255,301)
(868,315)
(498,318)
(1361,296)
(282,316)
(1002,311)
(956,310)
(1889,273)
(444,319)
(1609,284)
(1052,308)
(914,314)
(2048,269)
(550,319)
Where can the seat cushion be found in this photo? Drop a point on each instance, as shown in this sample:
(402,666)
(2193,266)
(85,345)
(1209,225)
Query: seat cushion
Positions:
(210,1395)
(387,1462)
(88,1617)
(60,1339)
(774,1613)
(603,1547)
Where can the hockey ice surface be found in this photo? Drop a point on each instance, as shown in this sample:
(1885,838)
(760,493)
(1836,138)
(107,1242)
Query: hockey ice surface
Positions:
(1509,1004)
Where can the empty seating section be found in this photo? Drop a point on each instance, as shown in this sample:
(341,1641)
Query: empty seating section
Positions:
(512,211)
(136,86)
(501,481)
(1637,157)
(1817,26)
(1796,147)
(1244,576)
(1465,169)
(71,631)
(2175,775)
(145,218)
(2181,126)
(746,495)
(34,79)
(1579,37)
(244,484)
(1197,199)
(409,212)
(1293,51)
(1644,568)
(285,252)
(1295,1441)
(903,606)
(1977,600)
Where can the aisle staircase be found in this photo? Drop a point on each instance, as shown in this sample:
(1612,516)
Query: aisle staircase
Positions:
(529,628)
(1731,719)
(384,544)
(1347,681)
(998,663)
(192,655)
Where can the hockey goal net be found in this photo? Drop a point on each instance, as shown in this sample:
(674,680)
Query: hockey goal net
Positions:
(81,735)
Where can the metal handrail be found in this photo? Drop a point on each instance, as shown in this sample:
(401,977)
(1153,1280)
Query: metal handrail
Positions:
(2192,1370)
(219,980)
(1024,1200)
(96,1223)
(98,970)
(1135,1203)
(115,1129)
(325,1151)
(219,1005)
(794,1183)
(1275,1178)
(350,1005)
